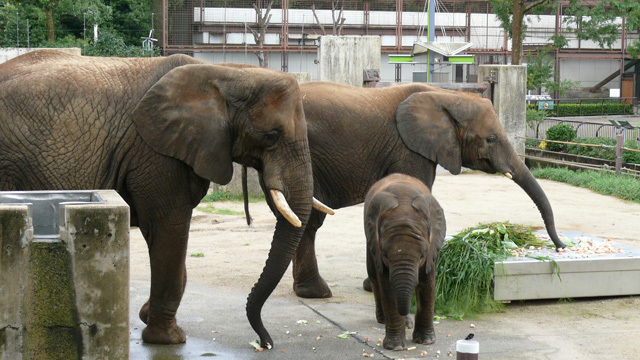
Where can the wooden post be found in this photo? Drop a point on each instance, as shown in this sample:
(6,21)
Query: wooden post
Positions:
(619,142)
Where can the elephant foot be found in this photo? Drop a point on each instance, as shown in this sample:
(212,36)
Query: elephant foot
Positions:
(316,288)
(366,285)
(408,322)
(394,342)
(426,337)
(172,334)
(144,312)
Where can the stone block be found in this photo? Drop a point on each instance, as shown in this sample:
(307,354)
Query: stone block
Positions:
(509,100)
(344,58)
(65,275)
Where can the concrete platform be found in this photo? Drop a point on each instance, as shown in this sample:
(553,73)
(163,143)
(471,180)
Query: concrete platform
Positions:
(590,267)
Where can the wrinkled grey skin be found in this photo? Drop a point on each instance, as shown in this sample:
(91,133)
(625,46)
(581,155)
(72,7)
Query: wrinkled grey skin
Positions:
(359,135)
(157,131)
(405,229)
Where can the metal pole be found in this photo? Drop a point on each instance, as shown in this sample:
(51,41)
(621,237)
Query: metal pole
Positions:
(301,42)
(431,36)
(619,141)
(17,32)
(152,32)
(28,40)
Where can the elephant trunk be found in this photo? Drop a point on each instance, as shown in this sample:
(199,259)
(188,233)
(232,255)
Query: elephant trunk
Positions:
(404,279)
(523,177)
(283,246)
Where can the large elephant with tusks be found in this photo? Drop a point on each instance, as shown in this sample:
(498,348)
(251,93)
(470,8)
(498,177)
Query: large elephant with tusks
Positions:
(158,130)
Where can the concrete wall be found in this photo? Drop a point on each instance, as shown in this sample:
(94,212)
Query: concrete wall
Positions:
(509,100)
(64,295)
(9,53)
(590,72)
(343,58)
(235,185)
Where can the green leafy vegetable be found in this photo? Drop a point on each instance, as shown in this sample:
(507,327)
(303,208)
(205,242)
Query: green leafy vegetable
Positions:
(464,279)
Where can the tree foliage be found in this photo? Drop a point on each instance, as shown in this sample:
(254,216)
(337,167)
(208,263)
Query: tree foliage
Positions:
(599,22)
(511,14)
(63,23)
(596,21)
(541,75)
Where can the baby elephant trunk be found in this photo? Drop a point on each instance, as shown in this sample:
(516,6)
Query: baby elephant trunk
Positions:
(404,279)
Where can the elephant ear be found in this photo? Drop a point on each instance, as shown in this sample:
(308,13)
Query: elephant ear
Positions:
(428,205)
(374,210)
(184,115)
(430,124)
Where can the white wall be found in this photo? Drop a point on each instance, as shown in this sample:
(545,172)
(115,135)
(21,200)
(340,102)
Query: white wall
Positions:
(590,72)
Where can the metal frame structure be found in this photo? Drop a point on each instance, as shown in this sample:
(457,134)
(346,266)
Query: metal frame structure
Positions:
(175,42)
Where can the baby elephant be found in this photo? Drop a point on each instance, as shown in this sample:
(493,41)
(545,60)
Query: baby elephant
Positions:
(405,229)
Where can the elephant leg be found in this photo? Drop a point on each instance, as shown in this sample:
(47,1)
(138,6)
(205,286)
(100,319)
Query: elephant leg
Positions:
(395,337)
(371,271)
(144,310)
(424,332)
(163,197)
(167,252)
(307,282)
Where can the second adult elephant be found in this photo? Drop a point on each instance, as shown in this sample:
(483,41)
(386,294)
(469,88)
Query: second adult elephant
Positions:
(359,135)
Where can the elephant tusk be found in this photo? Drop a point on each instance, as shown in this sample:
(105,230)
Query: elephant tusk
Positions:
(283,207)
(322,207)
(508,174)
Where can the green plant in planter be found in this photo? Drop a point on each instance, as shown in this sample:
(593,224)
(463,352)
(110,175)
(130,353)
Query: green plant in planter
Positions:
(560,132)
(464,276)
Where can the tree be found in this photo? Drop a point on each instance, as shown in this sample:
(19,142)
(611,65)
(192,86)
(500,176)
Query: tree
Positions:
(260,34)
(541,75)
(596,22)
(511,14)
(337,22)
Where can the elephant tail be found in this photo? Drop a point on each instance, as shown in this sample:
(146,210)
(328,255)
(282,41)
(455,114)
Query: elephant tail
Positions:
(245,195)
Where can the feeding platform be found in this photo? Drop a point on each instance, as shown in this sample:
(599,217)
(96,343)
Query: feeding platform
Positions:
(590,267)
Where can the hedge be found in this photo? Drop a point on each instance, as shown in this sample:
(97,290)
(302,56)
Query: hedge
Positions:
(598,108)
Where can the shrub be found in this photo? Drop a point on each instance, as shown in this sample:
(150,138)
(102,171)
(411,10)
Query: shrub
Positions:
(560,132)
(535,117)
(631,157)
(605,153)
(595,108)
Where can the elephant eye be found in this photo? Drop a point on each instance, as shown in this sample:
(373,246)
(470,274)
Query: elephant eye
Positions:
(271,138)
(491,139)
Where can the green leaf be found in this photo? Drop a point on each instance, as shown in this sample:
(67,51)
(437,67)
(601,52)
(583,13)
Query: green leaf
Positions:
(256,344)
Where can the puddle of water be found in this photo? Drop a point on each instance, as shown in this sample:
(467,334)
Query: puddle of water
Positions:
(193,348)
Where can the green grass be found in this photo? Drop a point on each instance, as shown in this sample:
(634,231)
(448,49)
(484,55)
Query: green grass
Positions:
(625,187)
(464,277)
(227,196)
(208,207)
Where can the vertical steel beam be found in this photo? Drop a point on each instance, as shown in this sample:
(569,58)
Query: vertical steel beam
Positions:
(398,25)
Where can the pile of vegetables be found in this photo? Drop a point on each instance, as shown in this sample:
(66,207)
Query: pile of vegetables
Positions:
(464,280)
